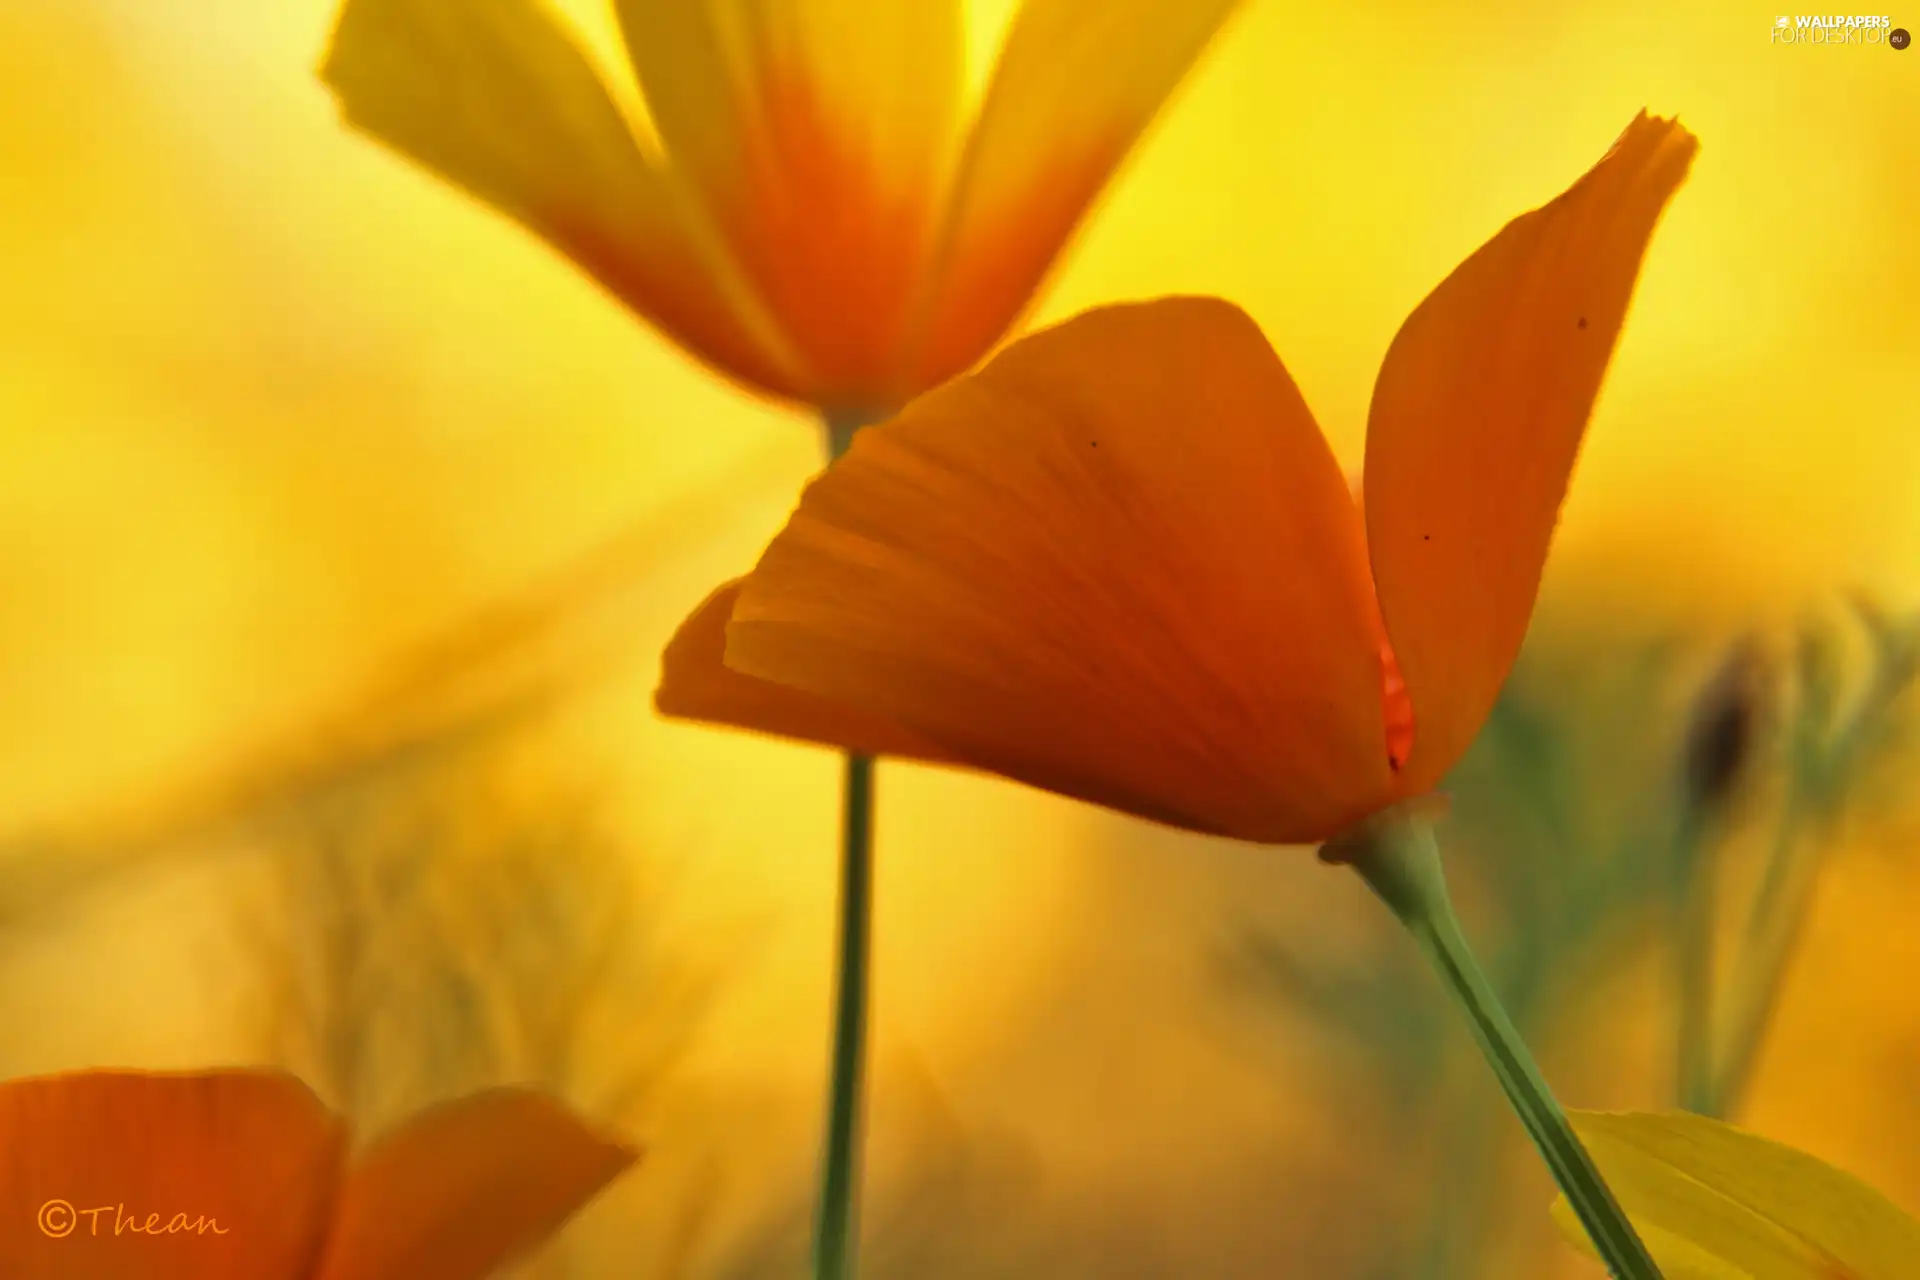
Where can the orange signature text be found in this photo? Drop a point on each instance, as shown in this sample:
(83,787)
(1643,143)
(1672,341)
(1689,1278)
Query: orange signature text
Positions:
(59,1218)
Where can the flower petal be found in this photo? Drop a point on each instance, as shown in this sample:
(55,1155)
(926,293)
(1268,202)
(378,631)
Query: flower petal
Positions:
(1476,420)
(464,1188)
(1714,1200)
(1119,563)
(1077,83)
(696,684)
(130,1175)
(495,97)
(818,132)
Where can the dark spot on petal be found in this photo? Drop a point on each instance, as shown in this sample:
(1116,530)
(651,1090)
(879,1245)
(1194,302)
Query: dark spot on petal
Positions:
(1094,443)
(1426,537)
(1583,322)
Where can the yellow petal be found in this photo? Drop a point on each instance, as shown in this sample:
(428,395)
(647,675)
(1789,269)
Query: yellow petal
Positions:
(818,132)
(1119,563)
(464,1188)
(1077,83)
(696,684)
(1678,1257)
(495,97)
(127,1175)
(1476,420)
(1716,1202)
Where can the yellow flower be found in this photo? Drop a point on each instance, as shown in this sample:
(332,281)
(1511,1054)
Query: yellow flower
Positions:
(244,1175)
(813,226)
(1120,562)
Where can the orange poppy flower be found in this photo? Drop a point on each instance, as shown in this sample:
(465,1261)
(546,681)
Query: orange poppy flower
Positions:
(1120,562)
(814,229)
(242,1175)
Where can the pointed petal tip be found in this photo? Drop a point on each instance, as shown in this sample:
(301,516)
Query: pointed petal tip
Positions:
(1477,419)
(468,1185)
(1656,143)
(614,1151)
(556,1114)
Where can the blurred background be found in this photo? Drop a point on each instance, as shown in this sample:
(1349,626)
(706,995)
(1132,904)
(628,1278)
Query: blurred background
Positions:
(341,525)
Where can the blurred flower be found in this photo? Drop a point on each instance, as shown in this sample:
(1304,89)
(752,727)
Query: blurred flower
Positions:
(809,228)
(242,1175)
(1717,755)
(1120,563)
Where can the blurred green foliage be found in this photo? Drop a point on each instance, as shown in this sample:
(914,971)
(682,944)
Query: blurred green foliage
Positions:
(1623,807)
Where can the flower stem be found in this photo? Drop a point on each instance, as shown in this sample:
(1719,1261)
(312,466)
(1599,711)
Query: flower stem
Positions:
(837,1223)
(836,1218)
(1695,921)
(1398,858)
(1774,927)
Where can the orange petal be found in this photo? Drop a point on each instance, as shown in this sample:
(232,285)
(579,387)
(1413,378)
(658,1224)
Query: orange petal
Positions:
(1077,83)
(1119,564)
(128,1175)
(696,684)
(1398,707)
(495,97)
(1476,419)
(464,1188)
(818,131)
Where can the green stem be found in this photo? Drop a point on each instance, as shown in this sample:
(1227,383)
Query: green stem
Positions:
(1693,941)
(836,1218)
(837,1224)
(1778,917)
(1774,929)
(1400,861)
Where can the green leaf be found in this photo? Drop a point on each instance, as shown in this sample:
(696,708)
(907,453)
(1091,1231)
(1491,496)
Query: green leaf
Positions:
(1714,1202)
